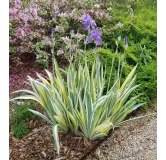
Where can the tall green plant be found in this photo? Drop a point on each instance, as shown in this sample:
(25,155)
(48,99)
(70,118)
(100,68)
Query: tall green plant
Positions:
(78,102)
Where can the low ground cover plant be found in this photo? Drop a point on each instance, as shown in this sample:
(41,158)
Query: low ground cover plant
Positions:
(78,99)
(19,117)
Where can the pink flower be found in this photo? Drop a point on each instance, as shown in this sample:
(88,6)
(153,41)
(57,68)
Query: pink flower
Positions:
(120,25)
(48,40)
(27,48)
(34,13)
(31,37)
(17,4)
(60,52)
(20,33)
(37,34)
(23,17)
(59,29)
(27,28)
(56,9)
(73,47)
(20,48)
(66,40)
(13,13)
(63,15)
(41,30)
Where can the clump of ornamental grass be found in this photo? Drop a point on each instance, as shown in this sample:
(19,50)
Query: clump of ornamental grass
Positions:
(77,99)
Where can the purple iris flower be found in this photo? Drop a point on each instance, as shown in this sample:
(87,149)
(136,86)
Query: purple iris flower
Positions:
(86,27)
(71,28)
(99,41)
(90,39)
(87,21)
(125,40)
(93,24)
(52,32)
(95,35)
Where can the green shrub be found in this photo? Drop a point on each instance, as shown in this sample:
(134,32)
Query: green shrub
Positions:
(19,129)
(146,73)
(139,19)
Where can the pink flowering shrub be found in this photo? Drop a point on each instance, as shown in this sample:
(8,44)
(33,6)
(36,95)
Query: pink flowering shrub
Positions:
(30,26)
(24,24)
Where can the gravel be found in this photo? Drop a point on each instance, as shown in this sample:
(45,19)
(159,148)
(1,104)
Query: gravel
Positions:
(134,141)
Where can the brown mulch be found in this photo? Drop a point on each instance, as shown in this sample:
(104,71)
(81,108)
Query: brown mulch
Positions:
(18,74)
(27,67)
(39,145)
(18,80)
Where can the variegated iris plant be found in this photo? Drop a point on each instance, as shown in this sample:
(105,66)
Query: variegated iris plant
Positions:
(80,101)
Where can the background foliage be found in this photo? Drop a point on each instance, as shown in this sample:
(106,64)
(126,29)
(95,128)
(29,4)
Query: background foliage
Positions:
(31,24)
(139,25)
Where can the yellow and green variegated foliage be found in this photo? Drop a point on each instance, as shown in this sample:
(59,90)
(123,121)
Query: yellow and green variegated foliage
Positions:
(80,101)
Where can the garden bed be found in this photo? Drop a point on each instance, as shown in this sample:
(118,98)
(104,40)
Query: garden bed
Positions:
(89,100)
(39,144)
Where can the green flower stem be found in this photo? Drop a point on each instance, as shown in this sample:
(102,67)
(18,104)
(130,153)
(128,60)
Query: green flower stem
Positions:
(53,52)
(71,57)
(86,39)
